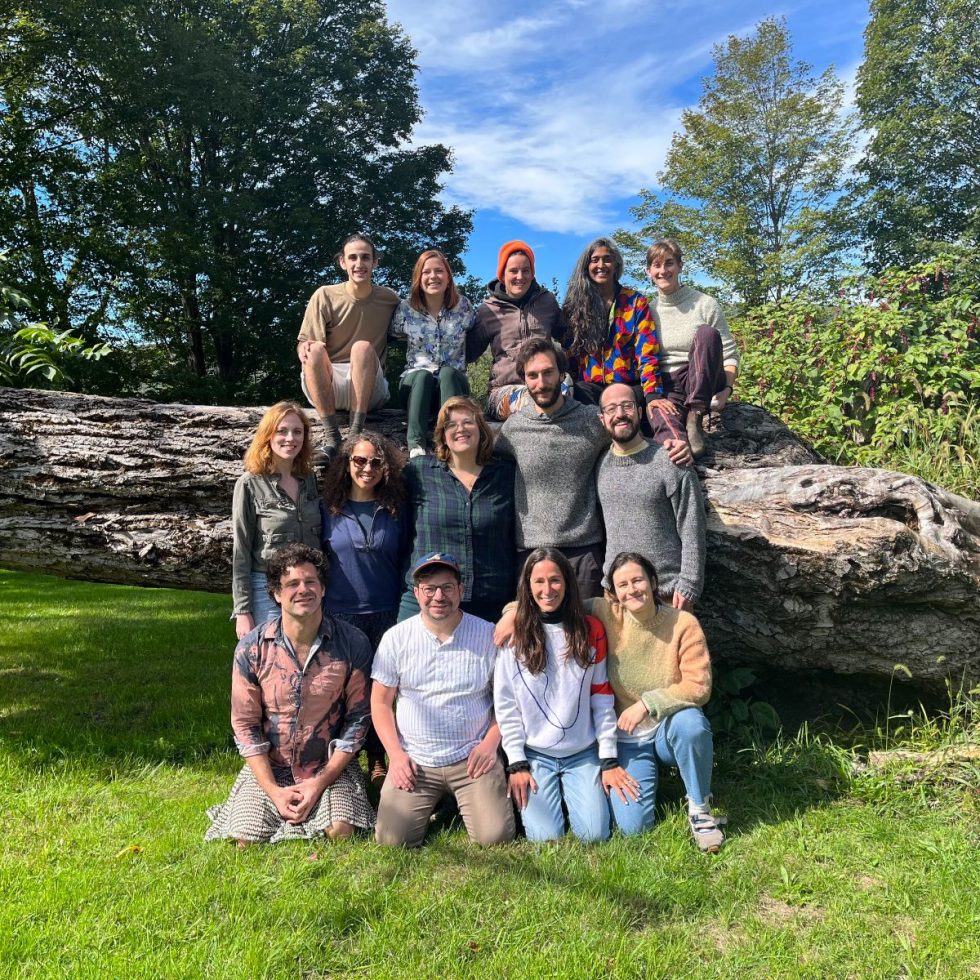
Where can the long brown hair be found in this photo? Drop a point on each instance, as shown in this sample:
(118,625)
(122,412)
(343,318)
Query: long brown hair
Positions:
(415,298)
(258,456)
(529,645)
(337,481)
(460,403)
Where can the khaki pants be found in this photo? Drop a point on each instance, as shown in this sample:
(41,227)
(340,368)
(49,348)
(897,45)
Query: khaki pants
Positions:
(483,804)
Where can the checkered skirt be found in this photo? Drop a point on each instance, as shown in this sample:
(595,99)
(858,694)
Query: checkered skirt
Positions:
(249,815)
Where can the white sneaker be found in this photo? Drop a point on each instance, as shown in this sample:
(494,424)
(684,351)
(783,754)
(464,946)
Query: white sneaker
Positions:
(706,828)
(417,451)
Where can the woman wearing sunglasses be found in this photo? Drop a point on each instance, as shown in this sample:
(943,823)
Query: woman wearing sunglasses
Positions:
(365,537)
(462,502)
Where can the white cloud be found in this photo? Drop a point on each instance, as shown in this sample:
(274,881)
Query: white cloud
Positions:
(553,116)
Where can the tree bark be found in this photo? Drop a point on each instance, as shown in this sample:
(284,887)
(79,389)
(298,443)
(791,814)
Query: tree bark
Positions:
(809,565)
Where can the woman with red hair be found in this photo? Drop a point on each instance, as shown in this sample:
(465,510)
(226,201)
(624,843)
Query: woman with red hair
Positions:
(434,321)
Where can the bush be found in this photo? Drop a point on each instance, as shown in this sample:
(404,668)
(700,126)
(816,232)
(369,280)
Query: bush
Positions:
(888,377)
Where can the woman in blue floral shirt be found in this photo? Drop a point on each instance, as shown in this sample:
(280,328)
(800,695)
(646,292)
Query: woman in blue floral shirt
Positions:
(433,320)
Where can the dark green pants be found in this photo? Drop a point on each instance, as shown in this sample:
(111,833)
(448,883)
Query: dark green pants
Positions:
(422,394)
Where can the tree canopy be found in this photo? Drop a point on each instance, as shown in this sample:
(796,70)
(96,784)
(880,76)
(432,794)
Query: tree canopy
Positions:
(918,95)
(752,182)
(187,172)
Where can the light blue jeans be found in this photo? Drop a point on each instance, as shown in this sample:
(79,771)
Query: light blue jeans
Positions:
(684,741)
(576,780)
(264,607)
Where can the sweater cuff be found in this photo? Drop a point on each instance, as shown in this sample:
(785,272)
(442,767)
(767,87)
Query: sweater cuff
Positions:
(657,703)
(606,764)
(688,591)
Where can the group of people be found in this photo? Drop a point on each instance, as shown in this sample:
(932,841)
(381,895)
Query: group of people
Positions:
(366,609)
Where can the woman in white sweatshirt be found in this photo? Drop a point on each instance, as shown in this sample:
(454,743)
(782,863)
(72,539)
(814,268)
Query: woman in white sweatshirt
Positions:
(555,707)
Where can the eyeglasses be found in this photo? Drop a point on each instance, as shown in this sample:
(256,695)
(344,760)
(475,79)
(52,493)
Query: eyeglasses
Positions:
(429,591)
(461,424)
(362,462)
(618,408)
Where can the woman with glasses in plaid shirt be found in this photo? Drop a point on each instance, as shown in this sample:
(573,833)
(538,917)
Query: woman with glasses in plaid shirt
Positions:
(461,501)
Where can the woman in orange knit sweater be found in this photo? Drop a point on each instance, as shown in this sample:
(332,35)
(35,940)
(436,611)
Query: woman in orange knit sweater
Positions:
(661,676)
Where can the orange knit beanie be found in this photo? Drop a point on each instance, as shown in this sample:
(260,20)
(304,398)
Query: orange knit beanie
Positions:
(508,249)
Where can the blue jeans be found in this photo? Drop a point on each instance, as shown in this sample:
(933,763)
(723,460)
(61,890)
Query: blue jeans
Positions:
(682,740)
(264,607)
(576,780)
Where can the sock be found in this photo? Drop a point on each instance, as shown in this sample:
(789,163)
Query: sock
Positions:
(331,430)
(356,423)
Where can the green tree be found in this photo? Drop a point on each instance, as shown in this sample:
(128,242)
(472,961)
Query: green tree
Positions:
(918,94)
(198,165)
(751,186)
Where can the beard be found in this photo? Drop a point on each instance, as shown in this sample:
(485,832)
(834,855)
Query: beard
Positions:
(623,436)
(546,397)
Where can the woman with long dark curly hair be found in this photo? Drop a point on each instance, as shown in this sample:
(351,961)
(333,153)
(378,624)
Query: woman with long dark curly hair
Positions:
(365,535)
(275,503)
(554,706)
(613,337)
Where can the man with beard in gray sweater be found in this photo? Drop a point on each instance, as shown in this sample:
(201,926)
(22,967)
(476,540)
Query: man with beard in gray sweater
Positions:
(556,443)
(649,504)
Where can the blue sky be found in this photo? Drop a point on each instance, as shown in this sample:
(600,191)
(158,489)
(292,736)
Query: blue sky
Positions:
(558,113)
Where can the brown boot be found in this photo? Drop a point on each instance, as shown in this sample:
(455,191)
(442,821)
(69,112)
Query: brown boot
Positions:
(695,434)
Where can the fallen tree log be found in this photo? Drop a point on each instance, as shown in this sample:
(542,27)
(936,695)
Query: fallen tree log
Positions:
(810,565)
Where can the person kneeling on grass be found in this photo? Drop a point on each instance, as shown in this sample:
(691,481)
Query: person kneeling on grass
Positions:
(300,697)
(440,733)
(661,675)
(553,702)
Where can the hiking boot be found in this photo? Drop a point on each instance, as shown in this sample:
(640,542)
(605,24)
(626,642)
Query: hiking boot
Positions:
(695,434)
(706,828)
(323,454)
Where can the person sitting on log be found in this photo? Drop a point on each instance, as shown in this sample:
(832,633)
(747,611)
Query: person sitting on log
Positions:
(300,707)
(698,356)
(516,309)
(613,336)
(342,344)
(275,503)
(434,321)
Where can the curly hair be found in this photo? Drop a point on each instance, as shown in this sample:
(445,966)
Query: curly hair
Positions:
(289,557)
(460,403)
(584,310)
(258,456)
(390,491)
(529,644)
(628,558)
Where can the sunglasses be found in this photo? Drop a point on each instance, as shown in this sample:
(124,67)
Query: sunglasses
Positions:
(362,462)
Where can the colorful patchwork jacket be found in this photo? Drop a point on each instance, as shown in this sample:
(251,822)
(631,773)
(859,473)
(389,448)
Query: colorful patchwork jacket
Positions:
(630,353)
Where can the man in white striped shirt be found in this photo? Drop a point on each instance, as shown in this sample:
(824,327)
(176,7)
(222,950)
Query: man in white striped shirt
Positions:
(439,666)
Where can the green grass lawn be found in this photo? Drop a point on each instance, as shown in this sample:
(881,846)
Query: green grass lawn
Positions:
(114,738)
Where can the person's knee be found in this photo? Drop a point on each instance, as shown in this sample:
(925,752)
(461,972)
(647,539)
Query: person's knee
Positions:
(318,359)
(363,354)
(707,336)
(489,835)
(392,835)
(689,724)
(340,829)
